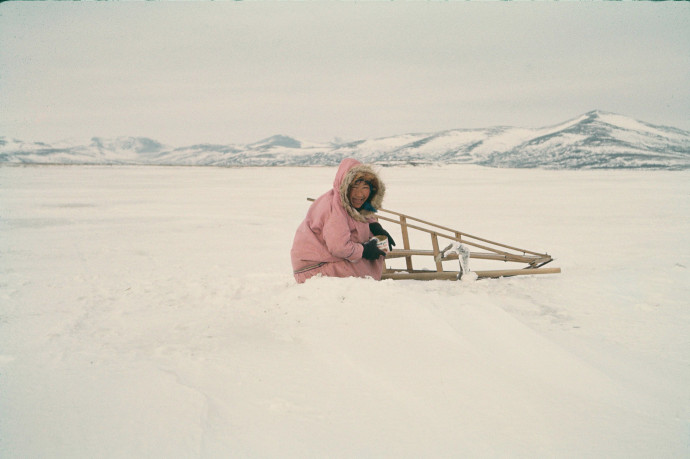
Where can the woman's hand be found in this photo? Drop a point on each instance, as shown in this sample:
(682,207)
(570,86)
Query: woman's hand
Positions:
(377,230)
(371,251)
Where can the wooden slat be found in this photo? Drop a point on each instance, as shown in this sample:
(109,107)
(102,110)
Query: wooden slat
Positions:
(450,275)
(399,253)
(406,241)
(437,252)
(529,259)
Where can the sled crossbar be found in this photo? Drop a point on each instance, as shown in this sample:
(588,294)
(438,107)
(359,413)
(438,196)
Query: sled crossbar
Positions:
(453,275)
(399,253)
(440,236)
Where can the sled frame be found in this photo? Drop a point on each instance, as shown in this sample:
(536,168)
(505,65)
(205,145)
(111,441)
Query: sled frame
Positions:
(440,236)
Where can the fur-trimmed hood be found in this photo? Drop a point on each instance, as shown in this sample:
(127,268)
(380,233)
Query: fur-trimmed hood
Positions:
(349,171)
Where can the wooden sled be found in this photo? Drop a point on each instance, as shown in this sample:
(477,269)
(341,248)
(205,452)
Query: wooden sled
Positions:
(486,252)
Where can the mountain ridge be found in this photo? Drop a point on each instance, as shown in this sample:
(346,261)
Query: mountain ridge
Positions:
(594,140)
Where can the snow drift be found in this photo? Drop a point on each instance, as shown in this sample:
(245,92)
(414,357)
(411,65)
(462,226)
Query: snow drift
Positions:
(151,312)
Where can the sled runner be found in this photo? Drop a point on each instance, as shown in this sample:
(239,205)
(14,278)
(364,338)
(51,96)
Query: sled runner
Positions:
(428,264)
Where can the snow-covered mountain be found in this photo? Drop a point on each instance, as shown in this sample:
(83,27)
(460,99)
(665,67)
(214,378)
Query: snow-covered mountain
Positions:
(592,141)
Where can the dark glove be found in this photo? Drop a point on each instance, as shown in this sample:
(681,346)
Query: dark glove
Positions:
(377,230)
(371,252)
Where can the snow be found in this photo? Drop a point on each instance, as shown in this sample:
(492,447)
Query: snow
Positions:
(596,139)
(151,312)
(630,124)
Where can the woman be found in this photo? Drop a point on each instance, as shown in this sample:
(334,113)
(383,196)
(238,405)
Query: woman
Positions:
(334,238)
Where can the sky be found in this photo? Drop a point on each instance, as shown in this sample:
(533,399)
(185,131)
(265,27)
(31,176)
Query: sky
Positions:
(237,72)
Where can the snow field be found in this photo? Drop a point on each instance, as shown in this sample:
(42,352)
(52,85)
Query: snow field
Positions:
(150,311)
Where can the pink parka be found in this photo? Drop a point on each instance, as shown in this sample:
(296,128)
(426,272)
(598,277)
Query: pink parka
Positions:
(329,240)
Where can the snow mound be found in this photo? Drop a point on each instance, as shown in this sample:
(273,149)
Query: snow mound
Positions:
(151,312)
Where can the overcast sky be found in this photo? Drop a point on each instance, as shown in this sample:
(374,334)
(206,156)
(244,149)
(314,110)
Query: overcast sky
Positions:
(237,72)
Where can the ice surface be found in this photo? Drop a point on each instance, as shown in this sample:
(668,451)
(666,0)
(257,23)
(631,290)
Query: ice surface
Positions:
(151,312)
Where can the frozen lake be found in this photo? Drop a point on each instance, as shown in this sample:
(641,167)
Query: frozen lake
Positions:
(151,312)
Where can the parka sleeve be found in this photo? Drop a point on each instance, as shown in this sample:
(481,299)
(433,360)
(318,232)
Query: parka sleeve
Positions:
(338,238)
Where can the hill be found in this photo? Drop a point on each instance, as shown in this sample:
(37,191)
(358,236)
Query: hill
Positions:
(595,140)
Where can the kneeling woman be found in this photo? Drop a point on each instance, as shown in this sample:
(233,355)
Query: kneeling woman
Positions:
(334,238)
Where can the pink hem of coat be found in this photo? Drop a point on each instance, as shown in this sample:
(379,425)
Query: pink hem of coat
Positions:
(344,268)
